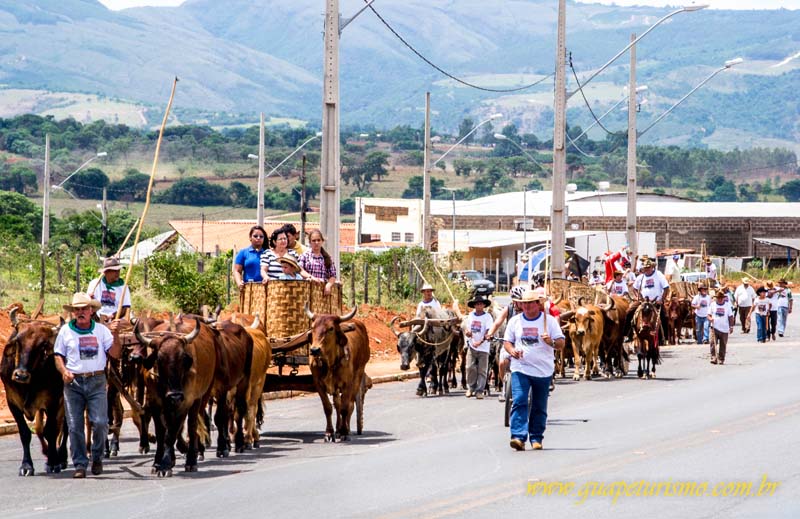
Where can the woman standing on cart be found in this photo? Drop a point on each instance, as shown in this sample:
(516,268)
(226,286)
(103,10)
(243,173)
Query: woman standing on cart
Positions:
(318,262)
(247,267)
(271,267)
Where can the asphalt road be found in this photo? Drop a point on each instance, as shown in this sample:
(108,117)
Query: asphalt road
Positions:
(449,456)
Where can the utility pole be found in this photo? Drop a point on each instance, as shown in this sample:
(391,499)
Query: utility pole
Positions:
(45,214)
(104,221)
(202,233)
(303,202)
(630,221)
(329,165)
(559,149)
(426,177)
(261,159)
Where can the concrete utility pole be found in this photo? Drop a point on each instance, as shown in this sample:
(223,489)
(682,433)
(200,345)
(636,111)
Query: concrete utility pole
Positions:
(559,148)
(630,222)
(104,221)
(45,214)
(426,178)
(303,203)
(329,165)
(261,159)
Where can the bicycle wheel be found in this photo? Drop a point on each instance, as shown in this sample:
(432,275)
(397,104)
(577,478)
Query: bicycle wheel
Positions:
(507,391)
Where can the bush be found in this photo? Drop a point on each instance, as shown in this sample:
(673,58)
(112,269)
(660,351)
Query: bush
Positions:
(175,278)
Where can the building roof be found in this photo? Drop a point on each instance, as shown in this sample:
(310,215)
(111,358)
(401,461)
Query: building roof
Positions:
(484,239)
(790,243)
(233,234)
(147,247)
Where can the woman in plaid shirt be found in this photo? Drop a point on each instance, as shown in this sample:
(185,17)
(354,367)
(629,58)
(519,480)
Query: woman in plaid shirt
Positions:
(318,262)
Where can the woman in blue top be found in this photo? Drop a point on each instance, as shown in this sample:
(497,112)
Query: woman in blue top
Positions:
(247,266)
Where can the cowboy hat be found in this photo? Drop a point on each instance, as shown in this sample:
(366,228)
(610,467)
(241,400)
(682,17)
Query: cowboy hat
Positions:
(479,299)
(770,284)
(288,260)
(782,281)
(702,286)
(746,280)
(81,300)
(111,263)
(648,263)
(719,293)
(426,286)
(619,272)
(531,295)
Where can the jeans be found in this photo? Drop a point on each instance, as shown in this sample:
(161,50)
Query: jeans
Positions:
(477,366)
(761,326)
(529,422)
(773,322)
(86,394)
(783,314)
(701,328)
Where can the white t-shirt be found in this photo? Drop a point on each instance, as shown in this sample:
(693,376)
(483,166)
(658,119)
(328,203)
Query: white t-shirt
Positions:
(652,287)
(701,305)
(537,357)
(744,295)
(433,304)
(711,271)
(84,350)
(783,300)
(109,295)
(479,325)
(617,289)
(774,299)
(721,314)
(762,306)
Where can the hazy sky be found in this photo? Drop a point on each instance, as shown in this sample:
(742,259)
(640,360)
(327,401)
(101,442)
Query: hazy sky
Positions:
(714,4)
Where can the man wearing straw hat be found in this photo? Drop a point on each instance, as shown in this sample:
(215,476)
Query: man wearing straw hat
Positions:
(745,296)
(427,299)
(785,304)
(81,349)
(477,324)
(529,340)
(720,316)
(108,290)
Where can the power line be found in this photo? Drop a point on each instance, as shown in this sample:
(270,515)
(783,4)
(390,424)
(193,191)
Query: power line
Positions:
(586,101)
(442,71)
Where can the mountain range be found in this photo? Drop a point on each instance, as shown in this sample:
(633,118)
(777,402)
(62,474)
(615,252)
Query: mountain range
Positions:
(236,58)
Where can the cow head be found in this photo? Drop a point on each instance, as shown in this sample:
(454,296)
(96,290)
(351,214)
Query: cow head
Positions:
(583,322)
(406,345)
(328,341)
(172,360)
(29,346)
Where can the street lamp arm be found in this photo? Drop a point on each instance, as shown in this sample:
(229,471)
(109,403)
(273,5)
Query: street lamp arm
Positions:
(692,91)
(462,139)
(584,132)
(634,42)
(101,154)
(346,21)
(281,163)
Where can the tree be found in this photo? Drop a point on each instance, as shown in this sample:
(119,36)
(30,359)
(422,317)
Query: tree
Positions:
(88,183)
(725,191)
(791,191)
(194,191)
(466,126)
(20,219)
(375,163)
(19,178)
(503,148)
(415,188)
(132,187)
(463,167)
(746,193)
(241,195)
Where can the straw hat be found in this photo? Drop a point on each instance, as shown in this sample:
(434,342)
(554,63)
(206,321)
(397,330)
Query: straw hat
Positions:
(426,286)
(530,295)
(111,263)
(746,280)
(770,284)
(81,300)
(288,260)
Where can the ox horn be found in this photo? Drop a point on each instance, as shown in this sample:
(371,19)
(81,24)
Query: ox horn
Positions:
(171,322)
(391,325)
(610,306)
(309,313)
(256,322)
(424,327)
(349,315)
(192,336)
(566,315)
(13,316)
(141,338)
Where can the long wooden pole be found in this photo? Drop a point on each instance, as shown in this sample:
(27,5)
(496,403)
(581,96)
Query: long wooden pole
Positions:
(149,190)
(125,241)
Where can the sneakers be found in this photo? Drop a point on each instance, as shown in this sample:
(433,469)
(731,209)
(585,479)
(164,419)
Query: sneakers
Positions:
(97,467)
(537,446)
(713,360)
(469,393)
(780,335)
(517,444)
(80,473)
(479,395)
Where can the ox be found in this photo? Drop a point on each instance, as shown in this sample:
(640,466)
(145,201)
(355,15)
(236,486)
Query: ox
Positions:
(33,385)
(178,388)
(262,356)
(645,338)
(337,366)
(612,352)
(678,312)
(432,346)
(586,333)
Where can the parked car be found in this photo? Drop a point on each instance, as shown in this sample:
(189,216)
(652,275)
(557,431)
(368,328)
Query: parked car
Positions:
(474,281)
(693,277)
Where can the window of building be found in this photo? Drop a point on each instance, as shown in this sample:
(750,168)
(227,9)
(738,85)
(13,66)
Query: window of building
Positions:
(395,236)
(409,237)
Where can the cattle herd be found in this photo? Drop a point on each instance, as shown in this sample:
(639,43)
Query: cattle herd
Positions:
(174,373)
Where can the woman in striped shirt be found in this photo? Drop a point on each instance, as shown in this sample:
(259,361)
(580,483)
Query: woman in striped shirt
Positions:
(270,266)
(317,262)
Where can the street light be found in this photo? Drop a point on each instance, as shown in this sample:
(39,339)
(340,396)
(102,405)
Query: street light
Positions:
(557,216)
(501,137)
(462,139)
(728,64)
(639,89)
(97,156)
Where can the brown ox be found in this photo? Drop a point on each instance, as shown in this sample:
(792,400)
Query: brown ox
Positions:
(586,332)
(566,312)
(612,352)
(262,356)
(677,310)
(178,388)
(338,361)
(33,385)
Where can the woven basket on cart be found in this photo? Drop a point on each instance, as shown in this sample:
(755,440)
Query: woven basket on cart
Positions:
(574,291)
(683,289)
(253,300)
(286,302)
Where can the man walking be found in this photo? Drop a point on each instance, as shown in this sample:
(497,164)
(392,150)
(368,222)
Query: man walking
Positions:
(744,295)
(478,323)
(80,355)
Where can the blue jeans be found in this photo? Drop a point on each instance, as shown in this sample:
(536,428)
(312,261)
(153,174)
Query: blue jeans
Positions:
(783,314)
(86,394)
(701,328)
(761,325)
(529,422)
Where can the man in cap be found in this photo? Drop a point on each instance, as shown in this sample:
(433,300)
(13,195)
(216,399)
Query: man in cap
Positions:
(427,299)
(720,316)
(108,290)
(785,304)
(744,295)
(617,286)
(530,340)
(701,304)
(81,350)
(477,324)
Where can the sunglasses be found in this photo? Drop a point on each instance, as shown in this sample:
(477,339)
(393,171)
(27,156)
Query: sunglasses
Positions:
(258,236)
